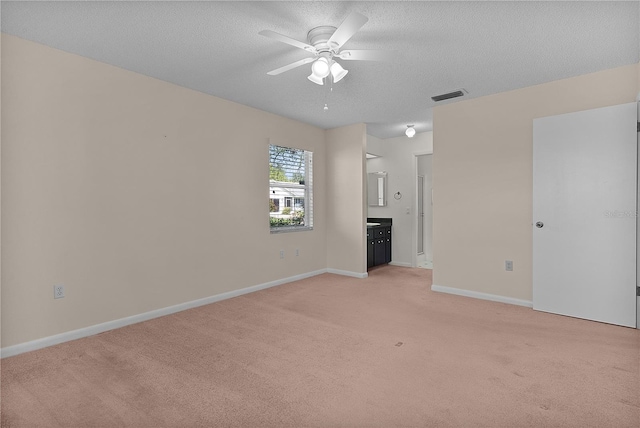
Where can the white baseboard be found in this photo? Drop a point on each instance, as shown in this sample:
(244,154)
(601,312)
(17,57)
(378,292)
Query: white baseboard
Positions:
(348,273)
(402,264)
(44,342)
(483,296)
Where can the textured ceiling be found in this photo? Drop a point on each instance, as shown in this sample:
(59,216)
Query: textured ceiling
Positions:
(214,47)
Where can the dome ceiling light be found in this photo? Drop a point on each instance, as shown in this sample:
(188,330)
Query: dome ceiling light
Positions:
(411,131)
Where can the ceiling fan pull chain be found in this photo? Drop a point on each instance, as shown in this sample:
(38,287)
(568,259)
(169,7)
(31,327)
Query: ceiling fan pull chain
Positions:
(326,106)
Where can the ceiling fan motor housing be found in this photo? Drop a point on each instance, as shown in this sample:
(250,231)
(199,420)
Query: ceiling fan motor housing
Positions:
(319,37)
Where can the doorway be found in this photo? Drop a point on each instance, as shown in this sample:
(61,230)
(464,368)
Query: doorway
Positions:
(424,212)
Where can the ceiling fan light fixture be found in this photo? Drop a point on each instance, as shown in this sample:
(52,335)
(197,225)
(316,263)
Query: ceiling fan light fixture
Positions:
(320,68)
(338,72)
(315,79)
(410,131)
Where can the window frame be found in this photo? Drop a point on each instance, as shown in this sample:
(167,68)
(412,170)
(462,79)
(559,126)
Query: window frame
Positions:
(308,192)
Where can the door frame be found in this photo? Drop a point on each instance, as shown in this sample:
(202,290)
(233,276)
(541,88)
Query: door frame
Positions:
(638,220)
(414,222)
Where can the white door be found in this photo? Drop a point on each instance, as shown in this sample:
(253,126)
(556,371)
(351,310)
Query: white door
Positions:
(584,214)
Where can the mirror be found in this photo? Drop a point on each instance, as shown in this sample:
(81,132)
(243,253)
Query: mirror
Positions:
(377,189)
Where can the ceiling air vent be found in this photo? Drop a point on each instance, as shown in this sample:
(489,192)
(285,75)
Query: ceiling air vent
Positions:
(454,94)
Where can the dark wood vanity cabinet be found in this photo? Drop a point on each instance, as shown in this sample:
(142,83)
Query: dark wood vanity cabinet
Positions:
(371,242)
(378,245)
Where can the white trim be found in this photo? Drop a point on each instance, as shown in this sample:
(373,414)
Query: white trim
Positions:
(483,296)
(44,342)
(348,273)
(403,264)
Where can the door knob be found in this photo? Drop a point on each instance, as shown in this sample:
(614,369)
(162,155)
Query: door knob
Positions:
(539,225)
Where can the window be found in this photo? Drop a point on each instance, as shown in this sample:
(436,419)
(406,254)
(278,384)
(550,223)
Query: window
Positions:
(274,205)
(290,189)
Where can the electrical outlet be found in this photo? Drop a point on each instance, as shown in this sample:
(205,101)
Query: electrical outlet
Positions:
(58,291)
(508,265)
(297,252)
(282,254)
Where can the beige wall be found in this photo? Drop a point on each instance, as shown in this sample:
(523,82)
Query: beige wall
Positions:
(137,194)
(482,173)
(346,210)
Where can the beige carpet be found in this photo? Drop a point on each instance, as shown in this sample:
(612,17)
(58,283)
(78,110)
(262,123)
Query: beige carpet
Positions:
(334,351)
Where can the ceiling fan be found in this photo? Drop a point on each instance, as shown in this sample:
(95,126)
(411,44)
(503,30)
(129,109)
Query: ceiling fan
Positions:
(325,44)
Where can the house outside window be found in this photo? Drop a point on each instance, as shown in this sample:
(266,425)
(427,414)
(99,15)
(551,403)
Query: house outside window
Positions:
(290,189)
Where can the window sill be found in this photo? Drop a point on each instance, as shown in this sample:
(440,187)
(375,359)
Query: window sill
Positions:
(291,229)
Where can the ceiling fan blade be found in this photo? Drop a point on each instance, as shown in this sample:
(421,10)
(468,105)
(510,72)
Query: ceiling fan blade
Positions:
(347,29)
(287,40)
(291,66)
(366,55)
